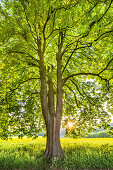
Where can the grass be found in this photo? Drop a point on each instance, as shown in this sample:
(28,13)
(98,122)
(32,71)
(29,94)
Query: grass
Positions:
(26,154)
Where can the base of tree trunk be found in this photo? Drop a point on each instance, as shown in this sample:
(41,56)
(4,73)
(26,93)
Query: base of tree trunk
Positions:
(54,150)
(53,146)
(57,153)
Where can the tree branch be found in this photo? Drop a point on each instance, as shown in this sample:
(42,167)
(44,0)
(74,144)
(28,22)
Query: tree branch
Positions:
(21,52)
(44,44)
(77,88)
(23,83)
(85,74)
(27,19)
(105,11)
(70,58)
(87,45)
(107,32)
(93,22)
(92,8)
(106,66)
(33,94)
(92,74)
(74,95)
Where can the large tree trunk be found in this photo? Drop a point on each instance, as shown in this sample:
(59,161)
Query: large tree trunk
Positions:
(53,146)
(52,116)
(52,119)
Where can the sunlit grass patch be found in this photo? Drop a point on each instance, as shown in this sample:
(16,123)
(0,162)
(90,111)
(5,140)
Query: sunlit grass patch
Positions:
(88,153)
(79,153)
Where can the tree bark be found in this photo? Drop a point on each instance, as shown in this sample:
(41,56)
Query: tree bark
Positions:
(52,118)
(53,146)
(53,131)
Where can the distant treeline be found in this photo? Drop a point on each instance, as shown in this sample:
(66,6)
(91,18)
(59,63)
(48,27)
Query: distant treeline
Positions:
(101,134)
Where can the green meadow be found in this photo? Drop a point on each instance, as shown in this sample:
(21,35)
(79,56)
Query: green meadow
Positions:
(27,154)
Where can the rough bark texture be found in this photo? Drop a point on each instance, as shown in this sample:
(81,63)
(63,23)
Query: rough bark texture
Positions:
(52,116)
(53,147)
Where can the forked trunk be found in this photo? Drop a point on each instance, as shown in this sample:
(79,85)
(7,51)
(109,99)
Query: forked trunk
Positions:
(51,115)
(53,146)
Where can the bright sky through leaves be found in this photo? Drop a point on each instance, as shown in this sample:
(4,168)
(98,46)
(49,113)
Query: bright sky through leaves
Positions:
(70,124)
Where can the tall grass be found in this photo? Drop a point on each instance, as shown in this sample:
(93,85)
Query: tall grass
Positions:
(88,153)
(27,154)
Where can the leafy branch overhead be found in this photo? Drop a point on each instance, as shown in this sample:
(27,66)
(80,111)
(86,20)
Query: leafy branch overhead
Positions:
(56,60)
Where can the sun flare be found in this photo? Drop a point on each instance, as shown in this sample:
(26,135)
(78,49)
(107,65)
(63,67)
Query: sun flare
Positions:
(70,124)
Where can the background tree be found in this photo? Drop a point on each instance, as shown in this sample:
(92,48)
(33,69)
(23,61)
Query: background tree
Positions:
(56,56)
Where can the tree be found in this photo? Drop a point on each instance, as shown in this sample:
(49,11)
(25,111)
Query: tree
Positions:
(56,57)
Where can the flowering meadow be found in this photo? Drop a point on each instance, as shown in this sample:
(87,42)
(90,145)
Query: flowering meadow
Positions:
(27,154)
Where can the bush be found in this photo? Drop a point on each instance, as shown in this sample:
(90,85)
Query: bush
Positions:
(101,134)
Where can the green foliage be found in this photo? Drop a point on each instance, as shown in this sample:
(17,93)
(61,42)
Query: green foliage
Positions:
(101,134)
(87,61)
